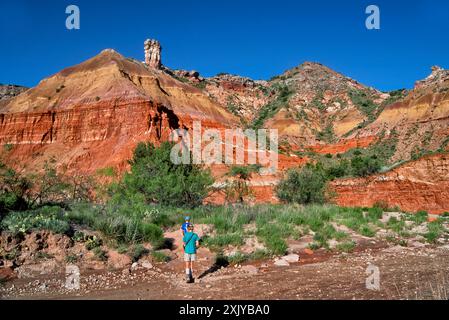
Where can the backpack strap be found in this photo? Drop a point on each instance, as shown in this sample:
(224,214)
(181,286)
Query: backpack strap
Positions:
(187,242)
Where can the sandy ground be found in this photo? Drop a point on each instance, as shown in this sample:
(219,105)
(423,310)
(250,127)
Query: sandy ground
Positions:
(404,273)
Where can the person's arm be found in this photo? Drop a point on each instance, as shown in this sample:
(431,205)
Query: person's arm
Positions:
(197,241)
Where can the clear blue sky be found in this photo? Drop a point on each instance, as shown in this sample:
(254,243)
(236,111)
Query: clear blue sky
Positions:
(258,39)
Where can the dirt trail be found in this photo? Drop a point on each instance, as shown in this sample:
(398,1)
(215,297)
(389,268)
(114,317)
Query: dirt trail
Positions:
(405,273)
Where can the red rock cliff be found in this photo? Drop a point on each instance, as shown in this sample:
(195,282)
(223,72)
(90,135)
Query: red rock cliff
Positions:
(92,115)
(414,186)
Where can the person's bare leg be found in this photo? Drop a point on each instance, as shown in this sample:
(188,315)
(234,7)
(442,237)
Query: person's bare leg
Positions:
(191,268)
(188,270)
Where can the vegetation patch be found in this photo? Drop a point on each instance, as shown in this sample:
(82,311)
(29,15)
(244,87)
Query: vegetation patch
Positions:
(364,102)
(160,256)
(269,110)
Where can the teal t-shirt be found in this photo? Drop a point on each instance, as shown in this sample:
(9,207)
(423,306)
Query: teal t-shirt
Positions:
(190,240)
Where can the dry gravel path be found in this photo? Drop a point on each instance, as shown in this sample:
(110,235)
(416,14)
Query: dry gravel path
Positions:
(405,273)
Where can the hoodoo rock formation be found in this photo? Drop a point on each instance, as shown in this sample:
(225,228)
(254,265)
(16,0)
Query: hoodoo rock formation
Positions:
(153,53)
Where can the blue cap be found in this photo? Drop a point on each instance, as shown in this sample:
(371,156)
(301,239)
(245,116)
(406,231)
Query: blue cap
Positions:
(187,218)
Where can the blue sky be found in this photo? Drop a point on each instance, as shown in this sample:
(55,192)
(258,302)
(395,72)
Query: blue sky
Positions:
(258,39)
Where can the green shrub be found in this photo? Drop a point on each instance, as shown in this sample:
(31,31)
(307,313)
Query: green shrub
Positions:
(12,254)
(113,223)
(14,190)
(420,217)
(364,166)
(79,236)
(340,235)
(70,259)
(283,95)
(364,103)
(222,240)
(276,245)
(435,231)
(395,224)
(260,254)
(339,170)
(367,231)
(122,249)
(46,218)
(8,147)
(327,135)
(348,246)
(375,213)
(324,234)
(137,251)
(92,242)
(313,246)
(160,256)
(107,172)
(237,258)
(304,187)
(151,233)
(100,254)
(158,180)
(273,236)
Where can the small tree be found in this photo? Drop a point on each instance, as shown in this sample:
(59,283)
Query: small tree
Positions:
(159,180)
(304,186)
(364,166)
(50,185)
(238,189)
(14,190)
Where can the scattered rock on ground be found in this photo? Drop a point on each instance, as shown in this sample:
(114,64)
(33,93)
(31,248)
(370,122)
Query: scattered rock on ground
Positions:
(308,251)
(147,265)
(291,258)
(281,263)
(250,269)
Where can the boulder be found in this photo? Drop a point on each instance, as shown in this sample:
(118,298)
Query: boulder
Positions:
(117,260)
(147,265)
(291,258)
(308,251)
(281,263)
(33,270)
(250,269)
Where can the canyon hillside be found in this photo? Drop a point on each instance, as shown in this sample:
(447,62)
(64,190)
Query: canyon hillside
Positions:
(92,115)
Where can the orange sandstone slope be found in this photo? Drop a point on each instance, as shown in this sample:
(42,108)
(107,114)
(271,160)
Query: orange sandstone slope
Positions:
(320,108)
(92,115)
(419,122)
(311,105)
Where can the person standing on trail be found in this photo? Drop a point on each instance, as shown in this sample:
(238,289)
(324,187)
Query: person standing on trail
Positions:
(191,242)
(185,225)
